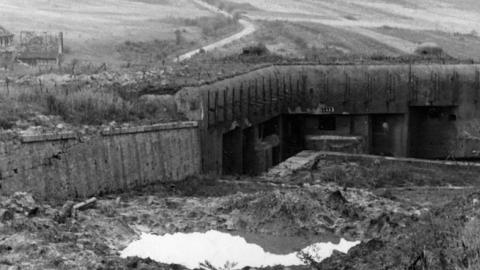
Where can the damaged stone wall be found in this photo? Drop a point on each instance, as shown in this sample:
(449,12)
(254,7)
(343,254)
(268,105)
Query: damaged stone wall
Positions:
(57,166)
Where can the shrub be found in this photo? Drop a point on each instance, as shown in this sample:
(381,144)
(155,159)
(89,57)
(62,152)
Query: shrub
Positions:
(258,49)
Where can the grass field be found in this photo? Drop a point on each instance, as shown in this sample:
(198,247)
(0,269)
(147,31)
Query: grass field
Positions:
(451,24)
(93,28)
(98,31)
(133,36)
(305,39)
(461,46)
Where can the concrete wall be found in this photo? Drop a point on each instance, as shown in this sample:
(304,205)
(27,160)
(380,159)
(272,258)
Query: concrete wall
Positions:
(345,144)
(318,89)
(66,165)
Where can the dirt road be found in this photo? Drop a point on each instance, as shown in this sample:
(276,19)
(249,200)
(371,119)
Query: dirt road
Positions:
(357,26)
(248,28)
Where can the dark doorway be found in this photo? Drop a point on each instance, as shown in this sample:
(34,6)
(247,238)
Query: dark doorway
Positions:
(232,158)
(387,135)
(327,122)
(432,132)
(294,131)
(249,157)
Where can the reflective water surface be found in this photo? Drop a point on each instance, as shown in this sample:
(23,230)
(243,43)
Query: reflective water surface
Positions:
(218,248)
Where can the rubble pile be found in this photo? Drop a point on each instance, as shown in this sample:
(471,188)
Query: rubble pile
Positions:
(352,213)
(446,238)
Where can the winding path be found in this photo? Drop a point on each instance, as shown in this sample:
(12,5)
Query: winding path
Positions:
(248,28)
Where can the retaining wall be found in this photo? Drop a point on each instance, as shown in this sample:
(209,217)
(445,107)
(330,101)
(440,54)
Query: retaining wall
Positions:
(65,165)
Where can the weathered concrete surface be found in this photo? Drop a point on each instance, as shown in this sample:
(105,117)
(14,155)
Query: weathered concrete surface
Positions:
(300,161)
(381,103)
(346,144)
(418,162)
(66,166)
(310,160)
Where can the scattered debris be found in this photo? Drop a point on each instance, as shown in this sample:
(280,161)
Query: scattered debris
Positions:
(65,212)
(6,215)
(21,202)
(85,204)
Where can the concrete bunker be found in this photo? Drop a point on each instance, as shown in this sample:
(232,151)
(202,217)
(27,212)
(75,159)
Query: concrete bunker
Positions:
(255,120)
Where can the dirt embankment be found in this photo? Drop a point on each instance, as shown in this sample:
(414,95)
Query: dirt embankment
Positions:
(49,237)
(447,238)
(445,235)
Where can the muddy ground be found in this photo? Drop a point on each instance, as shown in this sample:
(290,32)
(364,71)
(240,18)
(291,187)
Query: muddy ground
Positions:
(431,226)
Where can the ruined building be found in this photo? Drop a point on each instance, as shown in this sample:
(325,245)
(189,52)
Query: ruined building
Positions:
(40,48)
(6,38)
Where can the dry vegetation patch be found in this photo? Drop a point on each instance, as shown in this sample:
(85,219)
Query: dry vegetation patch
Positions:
(437,241)
(187,33)
(314,41)
(83,106)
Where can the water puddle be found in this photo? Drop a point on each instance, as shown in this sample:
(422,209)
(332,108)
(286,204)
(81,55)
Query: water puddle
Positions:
(220,249)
